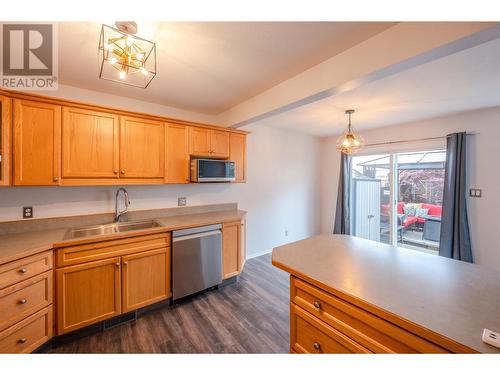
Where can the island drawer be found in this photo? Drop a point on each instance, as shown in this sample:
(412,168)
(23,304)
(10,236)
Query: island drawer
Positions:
(72,255)
(371,331)
(311,335)
(25,298)
(22,269)
(28,334)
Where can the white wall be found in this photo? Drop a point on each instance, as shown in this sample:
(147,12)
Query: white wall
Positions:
(280,194)
(484,172)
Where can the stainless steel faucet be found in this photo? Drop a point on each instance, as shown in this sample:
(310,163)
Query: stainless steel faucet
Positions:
(118,213)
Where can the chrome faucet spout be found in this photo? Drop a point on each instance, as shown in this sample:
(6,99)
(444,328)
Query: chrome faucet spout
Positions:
(119,213)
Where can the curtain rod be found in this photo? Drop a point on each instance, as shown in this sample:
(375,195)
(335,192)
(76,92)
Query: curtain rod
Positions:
(414,140)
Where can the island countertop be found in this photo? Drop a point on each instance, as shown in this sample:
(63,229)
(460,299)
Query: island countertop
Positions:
(451,298)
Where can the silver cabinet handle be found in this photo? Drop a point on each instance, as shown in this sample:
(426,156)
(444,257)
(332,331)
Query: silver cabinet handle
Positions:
(317,305)
(117,264)
(22,340)
(125,263)
(317,346)
(122,171)
(56,179)
(23,270)
(23,301)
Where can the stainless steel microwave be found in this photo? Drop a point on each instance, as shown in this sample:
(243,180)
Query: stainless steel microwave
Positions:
(212,170)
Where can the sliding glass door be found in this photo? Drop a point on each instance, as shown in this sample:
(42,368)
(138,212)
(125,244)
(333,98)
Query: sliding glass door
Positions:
(396,198)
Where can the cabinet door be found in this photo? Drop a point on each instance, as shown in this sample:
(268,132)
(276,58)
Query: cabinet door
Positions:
(199,141)
(219,142)
(88,293)
(146,278)
(142,148)
(230,249)
(5,127)
(89,144)
(237,153)
(177,154)
(37,143)
(242,253)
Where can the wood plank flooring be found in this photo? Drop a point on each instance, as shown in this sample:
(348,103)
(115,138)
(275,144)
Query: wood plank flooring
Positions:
(250,316)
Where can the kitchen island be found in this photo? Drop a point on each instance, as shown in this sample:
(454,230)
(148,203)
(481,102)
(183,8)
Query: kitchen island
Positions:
(351,295)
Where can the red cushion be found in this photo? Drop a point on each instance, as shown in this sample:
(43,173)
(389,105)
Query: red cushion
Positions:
(434,209)
(400,207)
(409,221)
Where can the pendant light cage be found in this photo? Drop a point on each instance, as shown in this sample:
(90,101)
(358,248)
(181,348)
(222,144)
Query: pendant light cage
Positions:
(126,58)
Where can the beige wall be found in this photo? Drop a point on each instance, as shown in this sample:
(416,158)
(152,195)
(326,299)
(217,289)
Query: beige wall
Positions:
(483,166)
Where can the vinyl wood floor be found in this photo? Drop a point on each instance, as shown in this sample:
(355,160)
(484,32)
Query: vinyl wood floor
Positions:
(250,316)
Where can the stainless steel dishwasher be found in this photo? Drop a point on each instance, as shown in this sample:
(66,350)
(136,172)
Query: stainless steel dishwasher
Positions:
(196,259)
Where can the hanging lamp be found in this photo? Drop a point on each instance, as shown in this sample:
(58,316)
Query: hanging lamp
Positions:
(349,142)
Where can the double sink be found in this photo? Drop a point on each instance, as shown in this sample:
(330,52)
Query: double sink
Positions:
(97,230)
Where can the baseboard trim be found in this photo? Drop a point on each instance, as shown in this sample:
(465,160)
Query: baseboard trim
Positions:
(259,254)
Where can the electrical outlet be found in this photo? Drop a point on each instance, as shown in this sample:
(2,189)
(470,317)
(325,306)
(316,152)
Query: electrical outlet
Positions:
(475,193)
(286,232)
(492,338)
(181,201)
(27,212)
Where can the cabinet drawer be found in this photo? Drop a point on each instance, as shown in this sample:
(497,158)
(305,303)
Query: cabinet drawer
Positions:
(22,269)
(29,334)
(375,333)
(311,335)
(23,299)
(72,255)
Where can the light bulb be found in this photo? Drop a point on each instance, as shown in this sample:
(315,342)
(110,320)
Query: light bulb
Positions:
(144,71)
(109,47)
(113,60)
(122,74)
(130,41)
(140,56)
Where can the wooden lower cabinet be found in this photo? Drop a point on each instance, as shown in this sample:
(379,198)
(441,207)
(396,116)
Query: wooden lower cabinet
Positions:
(231,233)
(321,322)
(311,335)
(28,334)
(128,274)
(88,293)
(145,278)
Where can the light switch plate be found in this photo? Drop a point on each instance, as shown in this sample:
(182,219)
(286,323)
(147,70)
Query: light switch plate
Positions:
(475,193)
(181,201)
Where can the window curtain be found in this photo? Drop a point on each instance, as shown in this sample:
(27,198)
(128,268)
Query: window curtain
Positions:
(455,237)
(342,214)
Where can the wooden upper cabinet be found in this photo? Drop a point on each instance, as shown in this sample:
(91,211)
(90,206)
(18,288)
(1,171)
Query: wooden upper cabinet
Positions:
(142,148)
(145,278)
(199,141)
(5,139)
(219,140)
(90,144)
(237,153)
(88,293)
(177,154)
(37,143)
(209,143)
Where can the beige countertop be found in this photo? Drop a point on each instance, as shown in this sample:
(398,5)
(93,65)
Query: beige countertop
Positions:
(18,245)
(451,298)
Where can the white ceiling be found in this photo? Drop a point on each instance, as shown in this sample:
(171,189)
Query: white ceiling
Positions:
(210,67)
(464,81)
